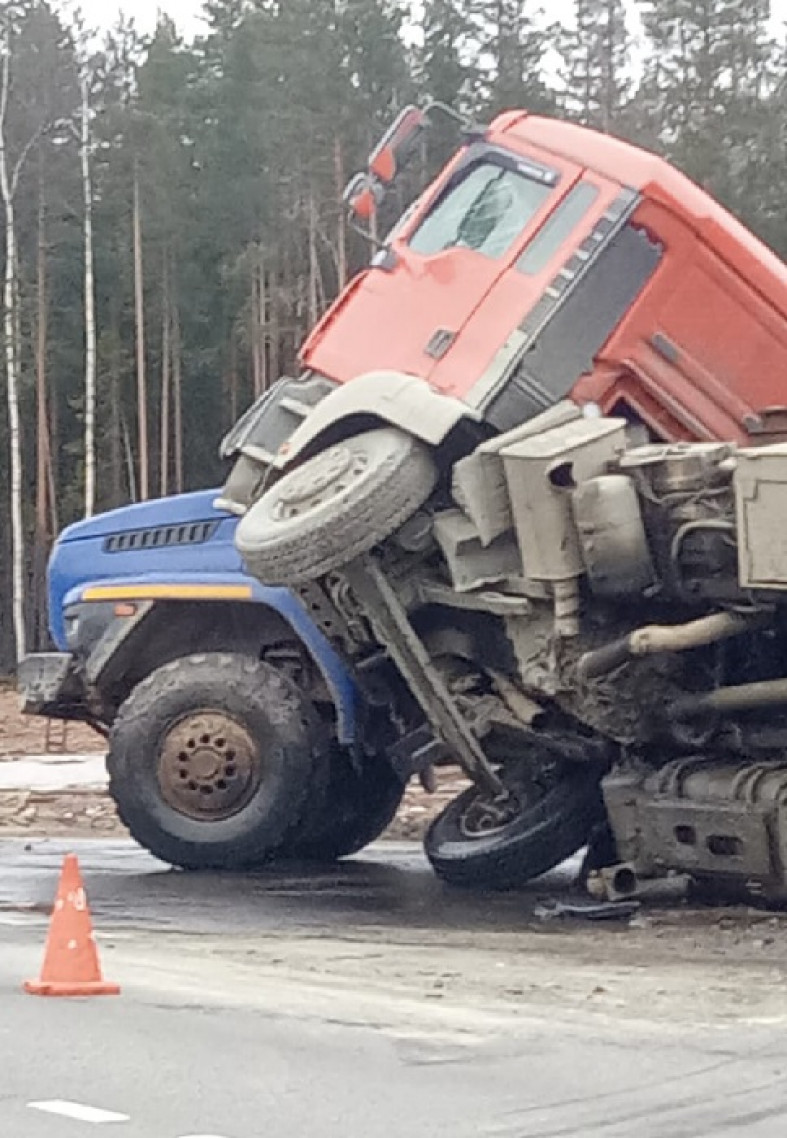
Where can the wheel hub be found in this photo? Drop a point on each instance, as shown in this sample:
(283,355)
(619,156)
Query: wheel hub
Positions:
(487,814)
(322,478)
(209,766)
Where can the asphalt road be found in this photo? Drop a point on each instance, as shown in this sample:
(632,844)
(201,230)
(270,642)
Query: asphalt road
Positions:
(203,1043)
(187,1066)
(392,884)
(150,1065)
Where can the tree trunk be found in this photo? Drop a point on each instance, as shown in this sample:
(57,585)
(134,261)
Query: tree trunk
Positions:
(254,334)
(257,323)
(274,322)
(54,446)
(116,427)
(177,390)
(314,268)
(90,307)
(128,451)
(139,305)
(292,282)
(262,321)
(232,382)
(41,545)
(341,228)
(166,369)
(7,189)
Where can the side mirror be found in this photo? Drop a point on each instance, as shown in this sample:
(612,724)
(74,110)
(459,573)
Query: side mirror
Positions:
(398,145)
(363,196)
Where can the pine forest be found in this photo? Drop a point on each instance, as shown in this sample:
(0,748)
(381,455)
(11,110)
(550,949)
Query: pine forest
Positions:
(172,219)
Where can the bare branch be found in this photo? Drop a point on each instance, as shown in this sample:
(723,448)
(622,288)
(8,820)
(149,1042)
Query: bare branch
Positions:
(23,157)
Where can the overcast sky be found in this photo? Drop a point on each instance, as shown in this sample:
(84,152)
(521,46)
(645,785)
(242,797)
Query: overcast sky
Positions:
(186,12)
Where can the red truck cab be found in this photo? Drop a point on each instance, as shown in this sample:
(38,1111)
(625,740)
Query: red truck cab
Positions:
(551,261)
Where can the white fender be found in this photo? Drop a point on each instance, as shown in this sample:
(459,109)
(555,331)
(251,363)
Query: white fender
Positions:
(398,400)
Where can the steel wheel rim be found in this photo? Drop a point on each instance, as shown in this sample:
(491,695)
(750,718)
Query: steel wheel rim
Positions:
(210,767)
(322,479)
(486,815)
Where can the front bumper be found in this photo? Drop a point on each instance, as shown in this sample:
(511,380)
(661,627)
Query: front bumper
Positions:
(48,684)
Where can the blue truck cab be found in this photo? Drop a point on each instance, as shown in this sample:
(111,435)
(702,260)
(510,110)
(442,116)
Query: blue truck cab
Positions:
(235,733)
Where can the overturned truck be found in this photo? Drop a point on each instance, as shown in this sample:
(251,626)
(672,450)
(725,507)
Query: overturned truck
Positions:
(593,630)
(535,501)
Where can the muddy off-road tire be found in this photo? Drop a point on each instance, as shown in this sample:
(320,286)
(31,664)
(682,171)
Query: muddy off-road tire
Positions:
(357,808)
(336,506)
(211,761)
(547,830)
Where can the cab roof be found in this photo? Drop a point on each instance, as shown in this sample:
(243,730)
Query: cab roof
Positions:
(657,180)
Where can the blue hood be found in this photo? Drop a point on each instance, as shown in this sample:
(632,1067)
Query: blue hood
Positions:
(163,544)
(180,509)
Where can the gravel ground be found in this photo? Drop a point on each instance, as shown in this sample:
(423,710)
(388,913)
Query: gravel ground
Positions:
(82,812)
(85,810)
(22,735)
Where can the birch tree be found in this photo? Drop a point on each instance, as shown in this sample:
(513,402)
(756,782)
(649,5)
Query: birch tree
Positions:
(10,173)
(82,130)
(139,310)
(90,295)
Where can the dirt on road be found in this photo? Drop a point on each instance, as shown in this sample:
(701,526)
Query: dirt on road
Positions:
(380,941)
(673,969)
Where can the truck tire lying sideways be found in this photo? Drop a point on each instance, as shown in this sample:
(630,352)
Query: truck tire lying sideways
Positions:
(211,761)
(357,807)
(336,506)
(549,827)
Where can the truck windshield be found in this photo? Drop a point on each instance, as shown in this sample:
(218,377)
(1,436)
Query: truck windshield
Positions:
(485,211)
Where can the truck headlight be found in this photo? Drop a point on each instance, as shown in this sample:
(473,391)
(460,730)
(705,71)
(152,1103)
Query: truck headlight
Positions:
(87,621)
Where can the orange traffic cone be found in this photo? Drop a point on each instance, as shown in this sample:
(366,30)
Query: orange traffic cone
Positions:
(71,966)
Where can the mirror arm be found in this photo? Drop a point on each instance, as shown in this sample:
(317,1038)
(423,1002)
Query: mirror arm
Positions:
(365,233)
(473,129)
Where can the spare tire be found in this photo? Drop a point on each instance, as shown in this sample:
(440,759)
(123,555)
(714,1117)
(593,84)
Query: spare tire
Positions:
(548,827)
(336,506)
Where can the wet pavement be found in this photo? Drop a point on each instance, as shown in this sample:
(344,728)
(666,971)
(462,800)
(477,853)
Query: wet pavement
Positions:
(359,1002)
(390,885)
(158,1064)
(369,1001)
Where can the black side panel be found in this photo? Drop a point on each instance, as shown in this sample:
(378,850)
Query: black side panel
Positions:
(566,345)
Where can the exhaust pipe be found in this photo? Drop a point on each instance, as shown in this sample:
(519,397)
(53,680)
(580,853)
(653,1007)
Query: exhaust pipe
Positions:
(727,701)
(656,639)
(623,883)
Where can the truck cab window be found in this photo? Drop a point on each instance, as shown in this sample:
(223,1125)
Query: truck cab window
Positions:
(557,228)
(485,212)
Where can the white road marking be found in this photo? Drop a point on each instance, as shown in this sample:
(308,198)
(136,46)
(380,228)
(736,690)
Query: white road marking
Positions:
(78,1111)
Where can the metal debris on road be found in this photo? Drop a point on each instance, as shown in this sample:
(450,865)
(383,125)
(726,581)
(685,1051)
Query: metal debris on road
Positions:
(587,911)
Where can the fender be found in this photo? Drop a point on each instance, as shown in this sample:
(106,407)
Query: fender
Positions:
(228,588)
(385,397)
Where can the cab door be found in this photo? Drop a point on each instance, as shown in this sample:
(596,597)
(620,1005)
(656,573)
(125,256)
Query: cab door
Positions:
(413,306)
(535,282)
